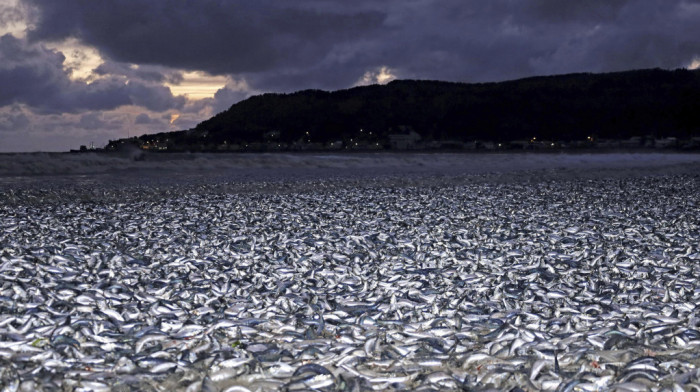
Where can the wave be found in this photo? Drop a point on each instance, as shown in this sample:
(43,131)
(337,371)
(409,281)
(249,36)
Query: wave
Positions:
(60,164)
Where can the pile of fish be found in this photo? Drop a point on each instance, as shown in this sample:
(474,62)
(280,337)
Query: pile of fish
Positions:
(571,285)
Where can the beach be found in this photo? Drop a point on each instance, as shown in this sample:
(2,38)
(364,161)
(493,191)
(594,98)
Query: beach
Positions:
(349,272)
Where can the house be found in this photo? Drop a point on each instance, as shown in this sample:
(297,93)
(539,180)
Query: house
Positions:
(543,144)
(521,144)
(489,146)
(607,143)
(693,143)
(471,145)
(667,142)
(154,146)
(634,141)
(400,141)
(336,145)
(274,146)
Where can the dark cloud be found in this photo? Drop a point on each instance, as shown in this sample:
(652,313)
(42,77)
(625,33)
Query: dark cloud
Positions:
(283,46)
(215,36)
(13,120)
(225,97)
(34,75)
(154,97)
(99,121)
(558,12)
(79,96)
(29,74)
(147,73)
(638,34)
(91,121)
(145,119)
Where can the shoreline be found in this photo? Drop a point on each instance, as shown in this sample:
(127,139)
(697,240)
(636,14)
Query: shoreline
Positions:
(236,166)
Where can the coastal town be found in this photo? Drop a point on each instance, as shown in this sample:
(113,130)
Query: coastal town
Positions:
(408,140)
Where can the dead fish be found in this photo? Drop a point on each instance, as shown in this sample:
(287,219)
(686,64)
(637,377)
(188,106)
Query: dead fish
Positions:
(557,285)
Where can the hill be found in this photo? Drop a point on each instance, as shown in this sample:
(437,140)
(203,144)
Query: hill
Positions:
(649,103)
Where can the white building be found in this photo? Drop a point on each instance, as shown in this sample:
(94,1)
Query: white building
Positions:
(400,141)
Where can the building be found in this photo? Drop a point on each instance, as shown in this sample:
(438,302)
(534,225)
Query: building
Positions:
(667,142)
(154,146)
(400,141)
(336,145)
(634,141)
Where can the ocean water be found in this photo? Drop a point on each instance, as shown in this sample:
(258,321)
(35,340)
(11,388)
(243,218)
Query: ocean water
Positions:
(134,165)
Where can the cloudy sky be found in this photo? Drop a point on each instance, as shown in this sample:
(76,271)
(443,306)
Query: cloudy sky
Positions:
(77,72)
